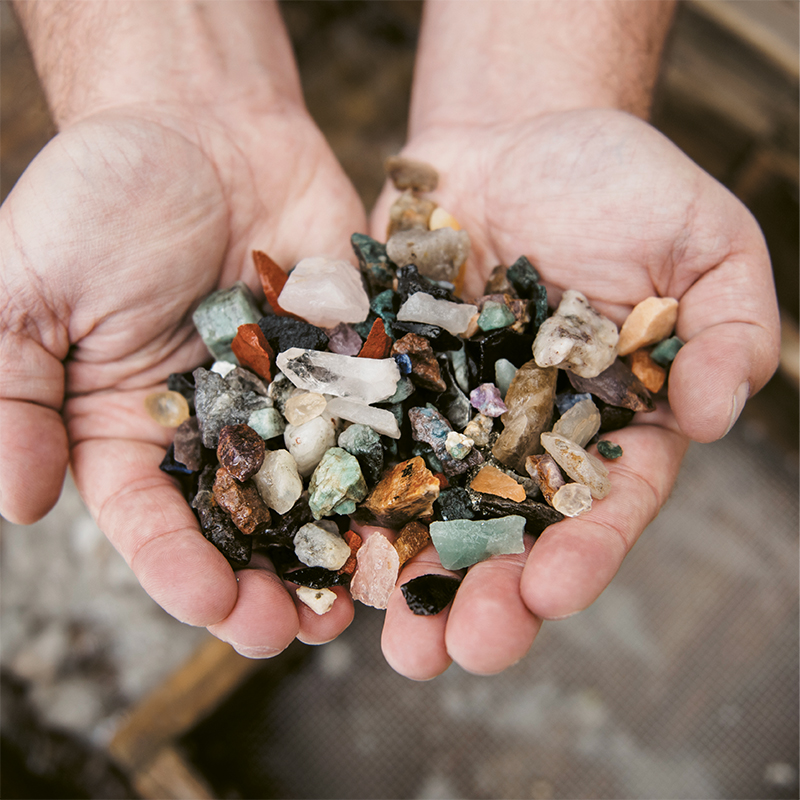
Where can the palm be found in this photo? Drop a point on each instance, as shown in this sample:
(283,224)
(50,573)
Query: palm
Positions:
(601,203)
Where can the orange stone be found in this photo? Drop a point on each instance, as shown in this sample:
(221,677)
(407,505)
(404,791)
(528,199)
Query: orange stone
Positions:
(412,538)
(253,350)
(273,279)
(652,375)
(491,480)
(377,344)
(405,493)
(354,541)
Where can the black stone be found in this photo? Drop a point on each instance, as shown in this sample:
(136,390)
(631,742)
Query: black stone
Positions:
(316,577)
(453,503)
(409,282)
(171,466)
(284,526)
(430,594)
(537,515)
(452,402)
(377,269)
(440,339)
(612,418)
(483,352)
(285,332)
(183,383)
(617,386)
(523,276)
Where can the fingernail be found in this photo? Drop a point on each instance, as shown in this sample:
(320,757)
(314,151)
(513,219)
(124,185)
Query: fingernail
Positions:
(255,652)
(739,399)
(563,616)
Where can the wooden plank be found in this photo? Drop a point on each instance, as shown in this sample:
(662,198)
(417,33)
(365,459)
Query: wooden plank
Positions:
(170,777)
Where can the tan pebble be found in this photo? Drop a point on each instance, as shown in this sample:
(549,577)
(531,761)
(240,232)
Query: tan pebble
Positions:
(491,480)
(412,538)
(169,409)
(652,375)
(650,321)
(302,408)
(442,219)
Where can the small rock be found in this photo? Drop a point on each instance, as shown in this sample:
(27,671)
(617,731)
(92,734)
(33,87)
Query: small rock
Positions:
(320,601)
(364,443)
(486,400)
(309,442)
(405,493)
(302,408)
(479,429)
(413,537)
(546,474)
(442,219)
(664,352)
(581,466)
(318,544)
(406,173)
(524,277)
(336,485)
(409,281)
(252,349)
(169,409)
(647,371)
(285,332)
(437,254)
(354,542)
(462,543)
(425,370)
(272,278)
(428,595)
(219,316)
(278,481)
(573,499)
(223,368)
(378,343)
(580,423)
(617,386)
(491,480)
(376,268)
(408,212)
(454,503)
(494,316)
(242,501)
(424,308)
(378,565)
(429,426)
(381,420)
(188,444)
(344,340)
(608,449)
(537,515)
(458,445)
(241,451)
(504,372)
(267,422)
(650,321)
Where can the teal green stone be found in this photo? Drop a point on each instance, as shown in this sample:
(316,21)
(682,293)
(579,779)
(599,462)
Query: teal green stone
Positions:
(219,316)
(426,451)
(495,316)
(609,449)
(267,422)
(405,388)
(386,305)
(458,358)
(523,276)
(363,328)
(538,306)
(336,485)
(364,443)
(463,542)
(664,352)
(504,372)
(376,267)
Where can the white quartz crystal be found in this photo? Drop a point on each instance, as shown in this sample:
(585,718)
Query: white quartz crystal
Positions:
(379,419)
(303,407)
(325,292)
(320,601)
(579,423)
(308,442)
(223,367)
(369,380)
(422,307)
(278,481)
(576,337)
(573,499)
(319,544)
(581,466)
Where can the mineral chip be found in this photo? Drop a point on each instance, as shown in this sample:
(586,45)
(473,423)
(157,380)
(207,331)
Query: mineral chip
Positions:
(242,501)
(406,173)
(442,219)
(272,278)
(309,442)
(252,349)
(425,370)
(169,409)
(647,371)
(318,544)
(409,212)
(486,400)
(580,423)
(427,595)
(462,543)
(241,451)
(378,343)
(267,422)
(494,316)
(406,492)
(354,542)
(617,386)
(458,445)
(189,445)
(429,426)
(379,419)
(546,474)
(650,321)
(537,515)
(422,307)
(581,466)
(320,601)
(437,254)
(302,408)
(573,499)
(285,332)
(336,485)
(664,352)
(364,443)
(344,340)
(491,480)
(378,565)
(413,537)
(504,372)
(479,429)
(219,316)
(278,481)
(608,449)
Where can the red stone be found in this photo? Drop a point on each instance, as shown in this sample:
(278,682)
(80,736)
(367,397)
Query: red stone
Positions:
(354,541)
(377,344)
(273,279)
(241,451)
(242,501)
(253,350)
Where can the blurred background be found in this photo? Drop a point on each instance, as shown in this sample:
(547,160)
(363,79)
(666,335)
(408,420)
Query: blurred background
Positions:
(681,681)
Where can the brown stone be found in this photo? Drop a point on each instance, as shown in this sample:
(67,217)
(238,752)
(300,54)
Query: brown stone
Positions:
(409,212)
(650,321)
(498,282)
(425,370)
(378,343)
(406,173)
(241,451)
(242,501)
(652,375)
(188,444)
(546,473)
(253,350)
(617,386)
(273,279)
(491,480)
(354,541)
(405,493)
(412,538)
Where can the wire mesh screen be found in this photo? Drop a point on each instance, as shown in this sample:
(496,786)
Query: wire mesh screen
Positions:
(680,682)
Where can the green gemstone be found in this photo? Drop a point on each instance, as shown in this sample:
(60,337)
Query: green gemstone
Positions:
(504,372)
(609,449)
(664,352)
(385,305)
(495,316)
(336,485)
(538,306)
(463,542)
(267,422)
(522,275)
(219,316)
(405,388)
(426,451)
(376,267)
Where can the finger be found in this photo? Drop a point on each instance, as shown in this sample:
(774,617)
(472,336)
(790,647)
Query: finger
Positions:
(490,628)
(412,644)
(321,628)
(574,560)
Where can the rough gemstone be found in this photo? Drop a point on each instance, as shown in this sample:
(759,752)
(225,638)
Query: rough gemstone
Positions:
(169,409)
(437,254)
(304,407)
(442,219)
(458,445)
(336,485)
(428,595)
(504,372)
(285,332)
(573,499)
(282,532)
(219,316)
(486,400)
(253,351)
(422,307)
(581,466)
(241,451)
(406,173)
(272,278)
(315,577)
(523,276)
(650,321)
(664,352)
(364,443)
(565,400)
(367,379)
(647,371)
(454,503)
(530,401)
(379,419)
(538,307)
(344,339)
(617,386)
(425,370)
(404,493)
(537,515)
(178,470)
(378,343)
(188,445)
(385,305)
(413,537)
(546,474)
(267,422)
(376,268)
(409,212)
(320,601)
(609,449)
(612,418)
(483,351)
(409,281)
(354,542)
(325,292)
(318,544)
(223,368)
(580,423)
(308,442)
(439,339)
(378,565)
(242,501)
(278,481)
(491,480)
(494,316)
(479,429)
(576,337)
(452,402)
(462,543)
(429,426)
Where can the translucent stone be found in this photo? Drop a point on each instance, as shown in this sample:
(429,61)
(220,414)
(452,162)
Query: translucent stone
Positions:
(579,423)
(504,372)
(223,367)
(318,544)
(344,339)
(442,219)
(308,442)
(479,429)
(336,485)
(495,315)
(169,409)
(491,480)
(576,337)
(458,358)
(409,212)
(325,292)
(486,400)
(367,379)
(458,445)
(608,449)
(378,565)
(320,601)
(437,254)
(267,422)
(581,466)
(572,499)
(405,388)
(429,426)
(664,352)
(462,543)
(546,473)
(219,316)
(301,408)
(650,321)
(423,307)
(647,371)
(278,481)
(379,419)
(565,400)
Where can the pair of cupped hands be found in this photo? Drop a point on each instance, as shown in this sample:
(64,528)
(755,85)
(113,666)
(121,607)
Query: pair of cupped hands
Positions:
(130,217)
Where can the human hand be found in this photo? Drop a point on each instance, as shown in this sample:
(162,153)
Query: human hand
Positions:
(602,203)
(122,224)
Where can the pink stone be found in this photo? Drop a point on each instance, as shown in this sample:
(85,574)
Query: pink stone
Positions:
(376,572)
(487,399)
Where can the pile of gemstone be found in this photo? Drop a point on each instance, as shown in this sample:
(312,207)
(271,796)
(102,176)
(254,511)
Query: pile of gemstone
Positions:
(379,396)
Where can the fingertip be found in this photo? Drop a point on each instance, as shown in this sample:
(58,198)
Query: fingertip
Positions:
(316,629)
